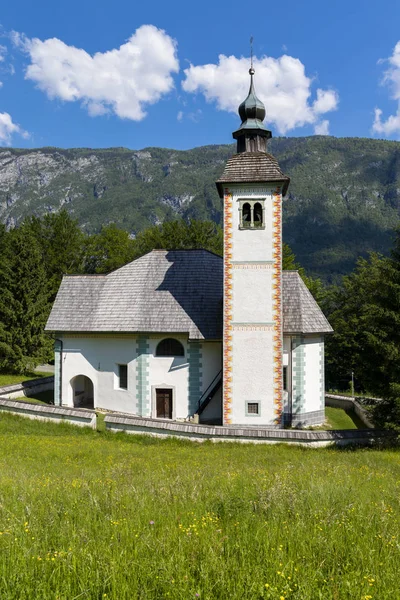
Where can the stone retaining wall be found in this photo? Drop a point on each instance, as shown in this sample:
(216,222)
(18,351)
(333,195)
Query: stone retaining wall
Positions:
(349,404)
(200,433)
(27,388)
(45,412)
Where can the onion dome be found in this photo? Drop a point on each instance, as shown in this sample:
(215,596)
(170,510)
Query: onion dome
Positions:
(252,134)
(252,107)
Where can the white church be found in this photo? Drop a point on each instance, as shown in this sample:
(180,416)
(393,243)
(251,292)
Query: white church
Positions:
(188,335)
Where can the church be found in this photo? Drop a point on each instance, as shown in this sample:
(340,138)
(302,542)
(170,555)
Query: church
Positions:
(188,335)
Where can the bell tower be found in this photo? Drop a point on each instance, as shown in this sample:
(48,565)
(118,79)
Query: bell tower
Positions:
(252,186)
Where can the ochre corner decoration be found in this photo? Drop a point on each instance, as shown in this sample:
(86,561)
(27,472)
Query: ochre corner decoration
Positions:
(228,307)
(277,302)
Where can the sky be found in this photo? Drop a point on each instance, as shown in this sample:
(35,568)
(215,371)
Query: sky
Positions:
(87,73)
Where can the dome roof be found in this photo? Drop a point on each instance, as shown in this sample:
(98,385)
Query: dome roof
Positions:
(252,107)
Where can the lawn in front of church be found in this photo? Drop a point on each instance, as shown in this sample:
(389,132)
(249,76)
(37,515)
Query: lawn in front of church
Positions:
(109,516)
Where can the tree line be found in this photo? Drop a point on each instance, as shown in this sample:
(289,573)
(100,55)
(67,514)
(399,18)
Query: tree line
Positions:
(364,309)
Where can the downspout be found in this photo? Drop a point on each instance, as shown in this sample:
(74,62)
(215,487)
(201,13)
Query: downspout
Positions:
(58,348)
(290,386)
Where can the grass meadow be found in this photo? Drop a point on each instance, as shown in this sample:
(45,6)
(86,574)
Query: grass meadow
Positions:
(11,379)
(101,516)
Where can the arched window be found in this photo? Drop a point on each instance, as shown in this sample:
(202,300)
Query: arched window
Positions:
(170,347)
(258,215)
(246,215)
(251,213)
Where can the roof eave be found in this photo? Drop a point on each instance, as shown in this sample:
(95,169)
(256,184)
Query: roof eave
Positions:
(221,183)
(303,332)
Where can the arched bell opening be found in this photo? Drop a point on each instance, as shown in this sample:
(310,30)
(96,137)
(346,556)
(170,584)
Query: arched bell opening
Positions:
(82,392)
(246,215)
(258,215)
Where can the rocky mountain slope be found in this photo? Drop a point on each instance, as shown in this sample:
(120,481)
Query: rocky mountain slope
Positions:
(343,201)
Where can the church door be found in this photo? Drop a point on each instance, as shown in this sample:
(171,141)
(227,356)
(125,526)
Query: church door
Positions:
(164,404)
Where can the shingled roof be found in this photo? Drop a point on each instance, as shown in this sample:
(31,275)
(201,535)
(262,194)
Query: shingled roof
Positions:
(163,291)
(252,167)
(177,291)
(301,313)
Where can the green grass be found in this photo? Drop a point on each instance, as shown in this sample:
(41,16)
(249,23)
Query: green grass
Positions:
(111,516)
(9,379)
(101,426)
(46,397)
(338,418)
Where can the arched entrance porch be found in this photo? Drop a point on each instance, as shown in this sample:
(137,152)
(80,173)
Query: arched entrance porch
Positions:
(82,392)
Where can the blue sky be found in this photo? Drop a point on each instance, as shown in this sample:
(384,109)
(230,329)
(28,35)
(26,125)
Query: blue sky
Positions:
(171,74)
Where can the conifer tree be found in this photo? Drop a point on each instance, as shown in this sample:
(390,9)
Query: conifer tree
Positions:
(24,307)
(61,243)
(180,235)
(108,250)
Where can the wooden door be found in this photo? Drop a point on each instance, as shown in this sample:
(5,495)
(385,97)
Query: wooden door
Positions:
(164,404)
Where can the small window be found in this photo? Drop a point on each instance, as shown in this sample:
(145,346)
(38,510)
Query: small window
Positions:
(285,379)
(123,376)
(170,347)
(252,409)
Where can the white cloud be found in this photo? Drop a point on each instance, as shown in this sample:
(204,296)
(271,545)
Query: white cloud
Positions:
(122,81)
(322,128)
(8,128)
(3,52)
(179,116)
(281,83)
(326,101)
(391,78)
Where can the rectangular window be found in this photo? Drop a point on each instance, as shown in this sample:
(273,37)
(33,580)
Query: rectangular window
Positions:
(123,376)
(285,379)
(252,409)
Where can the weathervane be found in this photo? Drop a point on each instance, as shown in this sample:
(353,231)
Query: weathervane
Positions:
(251,56)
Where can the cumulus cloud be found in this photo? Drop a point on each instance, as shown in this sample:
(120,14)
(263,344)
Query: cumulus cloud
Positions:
(122,81)
(8,128)
(391,78)
(322,128)
(281,83)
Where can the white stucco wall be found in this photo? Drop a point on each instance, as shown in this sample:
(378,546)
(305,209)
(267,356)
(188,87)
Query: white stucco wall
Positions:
(97,357)
(308,385)
(168,372)
(253,376)
(252,245)
(252,300)
(252,360)
(314,374)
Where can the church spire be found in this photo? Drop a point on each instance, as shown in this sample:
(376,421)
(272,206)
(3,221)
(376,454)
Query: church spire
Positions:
(252,135)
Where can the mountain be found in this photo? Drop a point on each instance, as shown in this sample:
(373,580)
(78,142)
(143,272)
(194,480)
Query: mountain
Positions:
(343,200)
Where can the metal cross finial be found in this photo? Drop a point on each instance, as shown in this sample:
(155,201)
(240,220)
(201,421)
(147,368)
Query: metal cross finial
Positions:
(251,70)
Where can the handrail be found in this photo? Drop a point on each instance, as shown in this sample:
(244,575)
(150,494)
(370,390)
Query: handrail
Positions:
(209,389)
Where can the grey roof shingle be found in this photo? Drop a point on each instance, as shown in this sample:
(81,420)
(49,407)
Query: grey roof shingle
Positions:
(251,167)
(177,291)
(163,291)
(301,313)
